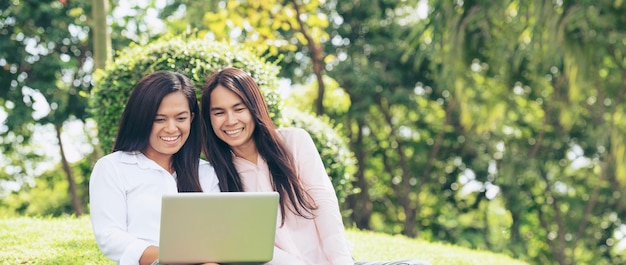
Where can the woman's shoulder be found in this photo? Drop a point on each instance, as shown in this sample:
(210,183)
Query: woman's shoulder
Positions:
(110,157)
(119,155)
(112,162)
(208,177)
(205,164)
(293,133)
(297,138)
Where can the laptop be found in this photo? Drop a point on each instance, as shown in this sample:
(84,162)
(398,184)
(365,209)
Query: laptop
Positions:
(227,227)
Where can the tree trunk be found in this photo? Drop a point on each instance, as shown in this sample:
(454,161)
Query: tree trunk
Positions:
(101,40)
(360,202)
(76,204)
(404,189)
(317,57)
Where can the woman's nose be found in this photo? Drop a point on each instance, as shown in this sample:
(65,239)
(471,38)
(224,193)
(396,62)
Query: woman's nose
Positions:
(231,118)
(171,125)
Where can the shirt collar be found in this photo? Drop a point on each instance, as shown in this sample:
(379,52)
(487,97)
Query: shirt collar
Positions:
(138,158)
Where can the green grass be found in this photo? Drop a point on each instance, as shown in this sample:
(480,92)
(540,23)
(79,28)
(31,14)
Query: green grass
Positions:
(48,241)
(70,241)
(379,246)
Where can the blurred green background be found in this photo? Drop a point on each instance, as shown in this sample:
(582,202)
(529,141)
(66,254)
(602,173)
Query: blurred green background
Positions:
(495,125)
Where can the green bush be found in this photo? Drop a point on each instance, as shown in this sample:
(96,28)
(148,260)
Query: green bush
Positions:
(197,59)
(193,57)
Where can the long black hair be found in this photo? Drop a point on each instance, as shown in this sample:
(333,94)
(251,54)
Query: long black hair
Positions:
(267,139)
(138,116)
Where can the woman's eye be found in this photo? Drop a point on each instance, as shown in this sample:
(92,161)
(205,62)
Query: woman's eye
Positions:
(240,109)
(182,118)
(159,120)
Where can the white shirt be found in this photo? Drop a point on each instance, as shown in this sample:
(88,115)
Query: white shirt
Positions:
(125,193)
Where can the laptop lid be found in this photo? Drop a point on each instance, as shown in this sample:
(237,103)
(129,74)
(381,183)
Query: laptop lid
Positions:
(218,227)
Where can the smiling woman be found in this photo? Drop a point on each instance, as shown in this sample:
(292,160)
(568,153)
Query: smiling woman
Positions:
(251,154)
(170,130)
(156,152)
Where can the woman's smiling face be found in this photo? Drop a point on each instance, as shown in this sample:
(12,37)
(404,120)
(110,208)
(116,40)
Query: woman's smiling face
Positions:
(170,127)
(231,120)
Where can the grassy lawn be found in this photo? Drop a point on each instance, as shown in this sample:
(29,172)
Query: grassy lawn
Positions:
(70,241)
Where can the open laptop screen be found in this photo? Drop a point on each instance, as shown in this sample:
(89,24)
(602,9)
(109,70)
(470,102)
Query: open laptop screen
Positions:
(218,227)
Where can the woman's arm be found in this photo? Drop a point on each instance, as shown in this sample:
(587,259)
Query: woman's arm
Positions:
(281,257)
(108,213)
(149,255)
(328,220)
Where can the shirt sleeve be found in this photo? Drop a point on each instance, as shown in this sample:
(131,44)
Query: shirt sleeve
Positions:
(281,257)
(108,213)
(328,220)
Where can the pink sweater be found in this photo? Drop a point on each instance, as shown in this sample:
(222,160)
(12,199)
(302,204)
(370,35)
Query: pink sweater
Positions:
(317,241)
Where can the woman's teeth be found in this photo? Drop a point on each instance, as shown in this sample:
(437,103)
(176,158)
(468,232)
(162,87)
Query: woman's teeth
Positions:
(234,131)
(169,139)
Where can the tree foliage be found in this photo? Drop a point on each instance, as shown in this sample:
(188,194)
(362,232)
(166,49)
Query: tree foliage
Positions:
(494,125)
(514,103)
(293,31)
(484,117)
(45,66)
(474,118)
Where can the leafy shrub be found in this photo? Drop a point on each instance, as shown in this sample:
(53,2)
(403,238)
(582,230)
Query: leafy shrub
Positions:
(193,57)
(197,59)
